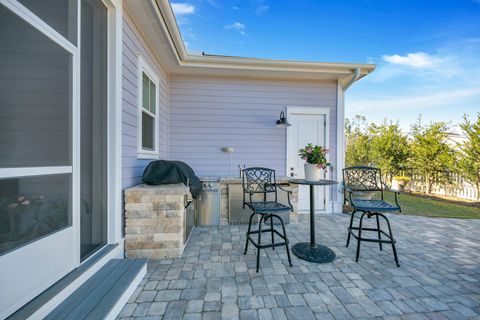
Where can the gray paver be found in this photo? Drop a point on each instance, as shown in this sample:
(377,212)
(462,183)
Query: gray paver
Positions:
(194,306)
(439,276)
(157,308)
(299,313)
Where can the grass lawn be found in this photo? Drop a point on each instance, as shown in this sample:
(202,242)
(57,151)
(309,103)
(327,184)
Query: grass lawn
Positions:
(430,207)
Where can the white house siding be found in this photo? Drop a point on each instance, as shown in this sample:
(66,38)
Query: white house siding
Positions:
(209,113)
(134,44)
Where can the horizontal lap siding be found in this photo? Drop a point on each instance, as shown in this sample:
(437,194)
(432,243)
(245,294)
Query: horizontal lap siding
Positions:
(133,43)
(209,113)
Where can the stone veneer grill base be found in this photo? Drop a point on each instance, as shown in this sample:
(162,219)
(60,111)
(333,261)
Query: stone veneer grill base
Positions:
(154,221)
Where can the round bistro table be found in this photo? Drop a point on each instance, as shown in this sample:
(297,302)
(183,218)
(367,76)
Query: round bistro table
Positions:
(311,251)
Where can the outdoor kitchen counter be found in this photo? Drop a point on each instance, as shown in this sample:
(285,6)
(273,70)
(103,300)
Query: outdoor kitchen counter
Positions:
(224,204)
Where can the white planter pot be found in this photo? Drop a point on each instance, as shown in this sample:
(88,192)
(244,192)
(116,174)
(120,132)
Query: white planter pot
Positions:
(312,172)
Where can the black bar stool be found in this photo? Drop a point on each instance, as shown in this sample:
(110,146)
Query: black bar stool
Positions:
(263,181)
(367,179)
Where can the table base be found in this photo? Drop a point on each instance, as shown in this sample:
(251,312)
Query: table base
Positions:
(317,253)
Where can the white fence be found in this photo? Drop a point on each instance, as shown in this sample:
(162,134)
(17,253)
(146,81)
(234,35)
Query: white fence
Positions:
(458,189)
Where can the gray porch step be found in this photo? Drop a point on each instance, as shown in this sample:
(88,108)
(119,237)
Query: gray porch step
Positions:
(104,294)
(38,307)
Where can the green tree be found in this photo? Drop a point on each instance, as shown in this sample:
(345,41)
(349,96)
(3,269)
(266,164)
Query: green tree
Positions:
(469,157)
(431,157)
(357,148)
(389,148)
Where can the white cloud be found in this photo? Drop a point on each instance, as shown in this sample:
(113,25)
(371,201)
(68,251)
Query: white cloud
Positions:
(416,102)
(182,9)
(441,85)
(261,7)
(240,27)
(419,60)
(214,3)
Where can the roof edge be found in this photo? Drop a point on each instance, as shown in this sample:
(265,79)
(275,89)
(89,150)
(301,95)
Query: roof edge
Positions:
(184,58)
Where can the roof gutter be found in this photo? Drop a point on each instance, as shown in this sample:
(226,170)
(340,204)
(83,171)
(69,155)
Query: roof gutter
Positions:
(167,19)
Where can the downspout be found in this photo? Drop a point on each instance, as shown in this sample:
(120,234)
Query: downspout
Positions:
(338,198)
(355,77)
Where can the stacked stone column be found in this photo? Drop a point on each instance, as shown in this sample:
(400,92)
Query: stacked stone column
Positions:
(154,221)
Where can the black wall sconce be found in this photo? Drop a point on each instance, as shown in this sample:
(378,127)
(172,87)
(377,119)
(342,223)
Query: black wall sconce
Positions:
(282,122)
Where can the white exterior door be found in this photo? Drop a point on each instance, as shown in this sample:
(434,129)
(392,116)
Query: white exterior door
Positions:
(39,139)
(307,126)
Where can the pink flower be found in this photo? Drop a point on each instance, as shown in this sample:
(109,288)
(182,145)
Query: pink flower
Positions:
(304,158)
(309,150)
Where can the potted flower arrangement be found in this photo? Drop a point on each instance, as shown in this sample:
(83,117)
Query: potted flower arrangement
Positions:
(316,160)
(22,214)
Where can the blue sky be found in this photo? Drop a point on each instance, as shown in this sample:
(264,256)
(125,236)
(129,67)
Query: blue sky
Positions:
(427,52)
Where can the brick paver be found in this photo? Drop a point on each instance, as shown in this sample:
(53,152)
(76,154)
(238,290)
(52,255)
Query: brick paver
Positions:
(439,276)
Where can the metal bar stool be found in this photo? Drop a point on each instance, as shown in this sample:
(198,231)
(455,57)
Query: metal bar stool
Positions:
(262,181)
(367,179)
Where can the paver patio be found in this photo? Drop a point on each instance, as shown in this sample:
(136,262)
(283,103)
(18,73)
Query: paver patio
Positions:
(439,276)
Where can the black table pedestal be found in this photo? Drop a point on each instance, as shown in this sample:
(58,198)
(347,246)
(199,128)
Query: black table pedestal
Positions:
(311,251)
(318,253)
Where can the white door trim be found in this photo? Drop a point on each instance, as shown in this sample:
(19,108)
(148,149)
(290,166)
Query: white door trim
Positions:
(6,173)
(69,236)
(114,134)
(292,110)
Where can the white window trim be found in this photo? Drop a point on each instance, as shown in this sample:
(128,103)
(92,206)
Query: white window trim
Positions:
(143,67)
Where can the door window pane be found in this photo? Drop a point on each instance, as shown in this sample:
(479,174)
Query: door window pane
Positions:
(148,131)
(33,207)
(61,15)
(35,96)
(93,108)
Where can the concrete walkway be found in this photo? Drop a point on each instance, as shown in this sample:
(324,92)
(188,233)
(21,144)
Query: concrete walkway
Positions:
(439,276)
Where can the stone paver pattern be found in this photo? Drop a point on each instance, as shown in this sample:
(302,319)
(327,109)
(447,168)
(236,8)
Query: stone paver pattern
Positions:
(439,276)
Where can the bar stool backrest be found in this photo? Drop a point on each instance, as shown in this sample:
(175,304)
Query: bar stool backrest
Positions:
(363,179)
(259,180)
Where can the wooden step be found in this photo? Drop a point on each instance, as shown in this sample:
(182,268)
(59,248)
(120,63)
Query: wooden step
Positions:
(105,293)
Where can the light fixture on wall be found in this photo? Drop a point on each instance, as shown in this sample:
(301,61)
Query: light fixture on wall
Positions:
(282,122)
